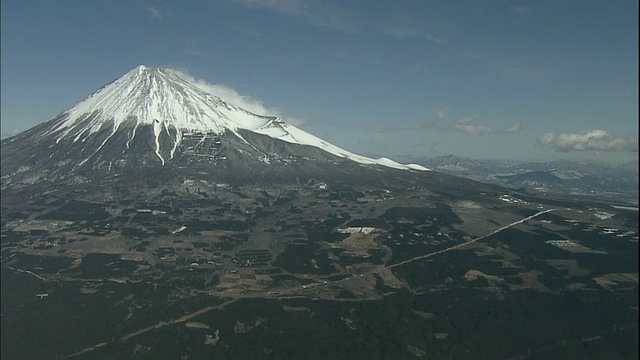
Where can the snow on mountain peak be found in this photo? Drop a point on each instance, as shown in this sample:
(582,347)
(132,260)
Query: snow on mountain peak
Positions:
(161,98)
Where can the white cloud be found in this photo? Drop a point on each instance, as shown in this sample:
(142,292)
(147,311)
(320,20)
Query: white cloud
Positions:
(440,114)
(525,72)
(468,119)
(319,13)
(472,129)
(382,128)
(10,133)
(515,127)
(522,10)
(590,140)
(338,15)
(403,33)
(435,118)
(198,53)
(467,125)
(288,7)
(155,12)
(295,121)
(230,95)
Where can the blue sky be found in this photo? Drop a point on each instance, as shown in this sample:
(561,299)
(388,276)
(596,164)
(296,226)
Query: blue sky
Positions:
(525,80)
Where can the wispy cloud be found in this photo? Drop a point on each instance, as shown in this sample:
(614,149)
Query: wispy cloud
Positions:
(339,16)
(287,7)
(590,140)
(198,53)
(296,121)
(515,127)
(248,103)
(468,125)
(10,133)
(522,10)
(525,72)
(383,128)
(436,118)
(155,12)
(440,114)
(403,33)
(246,31)
(323,14)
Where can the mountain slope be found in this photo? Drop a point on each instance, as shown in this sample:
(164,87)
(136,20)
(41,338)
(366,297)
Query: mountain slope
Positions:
(151,117)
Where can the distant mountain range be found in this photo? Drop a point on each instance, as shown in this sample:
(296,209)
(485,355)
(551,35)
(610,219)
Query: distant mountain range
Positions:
(615,182)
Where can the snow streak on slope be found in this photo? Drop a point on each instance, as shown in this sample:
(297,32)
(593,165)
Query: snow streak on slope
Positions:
(280,130)
(171,105)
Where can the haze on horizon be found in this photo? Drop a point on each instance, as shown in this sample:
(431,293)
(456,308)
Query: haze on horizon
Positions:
(533,81)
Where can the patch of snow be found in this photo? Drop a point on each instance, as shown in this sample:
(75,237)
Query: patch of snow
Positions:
(603,215)
(355,230)
(512,199)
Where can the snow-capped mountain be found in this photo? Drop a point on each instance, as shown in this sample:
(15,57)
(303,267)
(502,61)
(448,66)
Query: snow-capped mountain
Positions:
(152,117)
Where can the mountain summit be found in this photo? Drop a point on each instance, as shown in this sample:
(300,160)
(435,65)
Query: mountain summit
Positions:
(153,117)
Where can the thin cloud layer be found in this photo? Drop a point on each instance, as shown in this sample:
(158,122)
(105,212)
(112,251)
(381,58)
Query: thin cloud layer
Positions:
(468,125)
(403,33)
(155,13)
(522,10)
(340,16)
(232,96)
(320,14)
(383,128)
(436,118)
(7,134)
(514,128)
(590,140)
